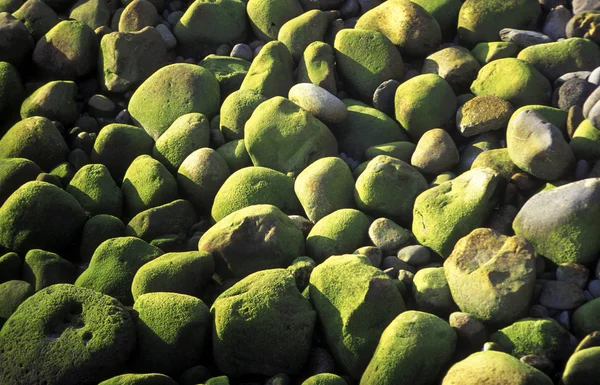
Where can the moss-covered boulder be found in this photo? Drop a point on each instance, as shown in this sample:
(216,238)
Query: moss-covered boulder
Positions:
(488,141)
(235,155)
(445,12)
(556,116)
(17,43)
(171,92)
(365,59)
(54,100)
(96,230)
(268,16)
(483,114)
(299,32)
(585,142)
(10,267)
(260,312)
(271,72)
(413,350)
(582,367)
(174,218)
(317,66)
(450,211)
(38,17)
(236,109)
(94,13)
(432,292)
(114,265)
(66,335)
(586,318)
(401,150)
(435,153)
(140,379)
(137,15)
(486,52)
(15,172)
(498,160)
(456,65)
(355,302)
(96,191)
(43,268)
(324,379)
(229,71)
(11,89)
(282,136)
(12,295)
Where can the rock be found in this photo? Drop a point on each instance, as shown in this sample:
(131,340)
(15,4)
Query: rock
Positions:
(242,51)
(301,269)
(585,318)
(229,71)
(581,367)
(60,319)
(388,235)
(299,32)
(140,379)
(572,219)
(555,26)
(431,292)
(137,15)
(553,115)
(383,97)
(167,36)
(175,218)
(414,255)
(319,102)
(15,172)
(399,150)
(317,66)
(96,191)
(96,230)
(435,152)
(424,102)
(585,142)
(17,43)
(450,211)
(583,24)
(574,92)
(267,17)
(271,72)
(445,12)
(183,87)
(355,302)
(12,294)
(365,59)
(324,379)
(499,161)
(38,17)
(301,138)
(470,332)
(561,295)
(94,13)
(574,273)
(580,6)
(486,52)
(523,38)
(236,110)
(262,310)
(456,65)
(483,114)
(43,268)
(11,90)
(194,375)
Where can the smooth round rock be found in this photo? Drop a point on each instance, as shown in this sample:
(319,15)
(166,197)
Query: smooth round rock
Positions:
(319,102)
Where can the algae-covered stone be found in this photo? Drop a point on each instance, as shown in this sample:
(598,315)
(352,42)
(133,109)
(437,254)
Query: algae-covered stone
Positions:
(40,215)
(11,89)
(481,21)
(260,312)
(355,302)
(486,52)
(324,187)
(556,116)
(128,58)
(96,191)
(492,276)
(15,172)
(12,294)
(65,335)
(567,233)
(171,332)
(54,100)
(271,72)
(406,24)
(200,177)
(185,273)
(140,379)
(539,336)
(585,319)
(38,17)
(43,268)
(413,350)
(450,211)
(445,12)
(484,142)
(117,145)
(235,155)
(207,24)
(282,136)
(585,142)
(424,102)
(494,368)
(340,232)
(96,230)
(483,114)
(582,367)
(94,13)
(236,109)
(365,59)
(114,265)
(317,66)
(556,59)
(229,71)
(175,218)
(432,293)
(137,15)
(68,51)
(254,186)
(187,134)
(435,153)
(10,5)
(36,139)
(171,92)
(498,160)
(276,241)
(324,379)
(365,127)
(456,65)
(268,16)
(388,188)
(17,43)
(402,150)
(299,32)
(10,267)
(146,184)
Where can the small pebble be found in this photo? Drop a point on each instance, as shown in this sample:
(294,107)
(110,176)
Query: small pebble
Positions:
(415,255)
(167,36)
(384,96)
(574,273)
(523,38)
(318,101)
(242,51)
(561,295)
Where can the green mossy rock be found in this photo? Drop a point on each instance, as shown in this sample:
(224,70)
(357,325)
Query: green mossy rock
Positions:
(200,177)
(54,100)
(498,160)
(445,12)
(40,215)
(17,43)
(185,273)
(432,293)
(424,102)
(64,172)
(488,141)
(413,350)
(10,5)
(340,232)
(284,137)
(586,318)
(456,65)
(586,142)
(235,155)
(317,66)
(298,33)
(276,241)
(206,24)
(195,375)
(96,230)
(388,188)
(567,232)
(324,379)
(254,186)
(68,51)
(271,72)
(96,191)
(494,368)
(260,312)
(539,336)
(556,116)
(229,71)
(137,15)
(43,268)
(114,265)
(171,92)
(513,80)
(11,89)
(435,153)
(355,302)
(450,211)
(38,17)
(365,59)
(94,13)
(401,150)
(147,184)
(117,145)
(235,112)
(483,114)
(406,24)
(556,59)
(365,127)
(12,294)
(129,58)
(65,335)
(486,52)
(268,16)
(481,20)
(36,139)
(582,367)
(10,267)
(171,332)
(15,172)
(324,187)
(492,276)
(187,134)
(140,379)
(175,218)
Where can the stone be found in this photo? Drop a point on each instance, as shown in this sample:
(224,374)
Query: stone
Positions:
(445,12)
(383,97)
(38,17)
(96,230)
(324,379)
(470,332)
(43,268)
(15,172)
(317,66)
(242,51)
(267,17)
(561,295)
(399,150)
(137,15)
(167,36)
(299,32)
(141,379)
(581,367)
(523,38)
(175,218)
(17,42)
(94,13)
(435,152)
(388,235)
(12,294)
(585,318)
(456,65)
(319,102)
(432,293)
(486,52)
(271,72)
(499,161)
(96,191)
(229,71)
(573,92)
(236,109)
(556,23)
(483,114)
(414,255)
(574,273)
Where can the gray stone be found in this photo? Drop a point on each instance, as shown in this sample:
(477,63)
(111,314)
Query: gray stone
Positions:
(167,36)
(574,273)
(594,287)
(415,255)
(585,5)
(384,95)
(322,104)
(523,38)
(242,51)
(594,76)
(571,75)
(388,235)
(555,26)
(561,295)
(435,152)
(470,331)
(574,92)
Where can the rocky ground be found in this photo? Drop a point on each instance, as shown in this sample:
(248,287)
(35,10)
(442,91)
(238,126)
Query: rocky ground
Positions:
(299,192)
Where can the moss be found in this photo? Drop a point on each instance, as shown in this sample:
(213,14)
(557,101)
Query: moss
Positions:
(324,379)
(17,43)
(137,15)
(43,268)
(299,32)
(139,379)
(581,367)
(229,71)
(401,150)
(271,72)
(586,142)
(235,155)
(435,153)
(586,318)
(14,172)
(10,267)
(12,294)
(235,112)
(487,141)
(498,160)
(456,65)
(114,265)
(486,52)
(65,335)
(195,375)
(96,191)
(268,16)
(445,12)
(54,100)
(94,13)
(553,115)
(11,89)
(10,5)
(317,66)
(96,230)
(174,218)
(432,293)
(38,17)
